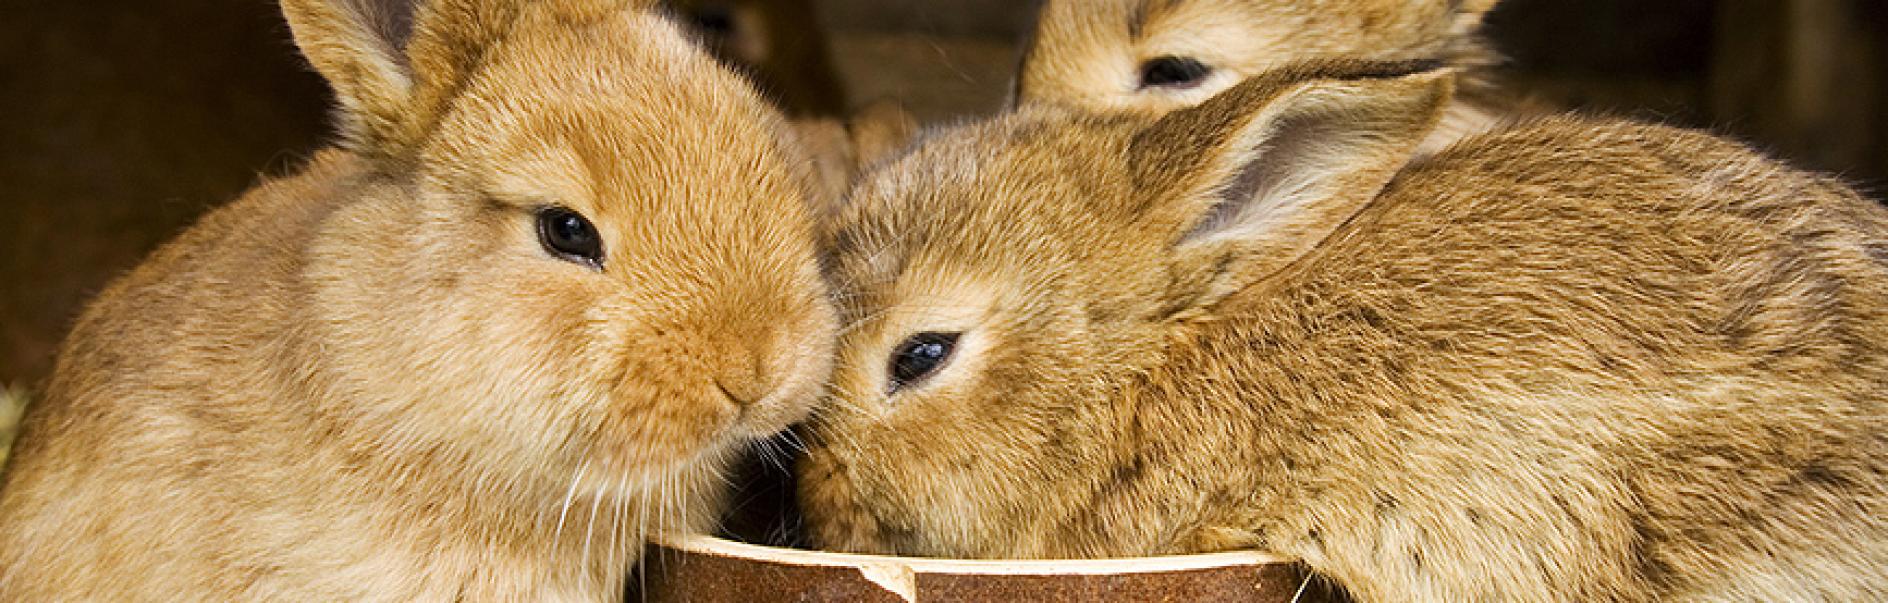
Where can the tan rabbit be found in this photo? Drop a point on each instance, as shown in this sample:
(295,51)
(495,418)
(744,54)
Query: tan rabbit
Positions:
(1159,55)
(1578,360)
(560,272)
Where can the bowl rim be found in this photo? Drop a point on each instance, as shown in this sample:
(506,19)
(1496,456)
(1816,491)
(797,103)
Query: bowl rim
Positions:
(722,547)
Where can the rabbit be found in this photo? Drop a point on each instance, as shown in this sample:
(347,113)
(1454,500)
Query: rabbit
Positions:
(1577,359)
(1159,55)
(559,271)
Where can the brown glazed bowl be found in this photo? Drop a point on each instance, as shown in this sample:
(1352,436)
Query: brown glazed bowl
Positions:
(705,569)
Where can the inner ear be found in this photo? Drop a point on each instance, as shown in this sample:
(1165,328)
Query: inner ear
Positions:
(1231,204)
(360,48)
(1259,175)
(1273,180)
(390,21)
(393,64)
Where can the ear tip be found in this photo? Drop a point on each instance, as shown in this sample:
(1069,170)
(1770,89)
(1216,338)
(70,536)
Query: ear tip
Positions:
(1432,74)
(1435,75)
(1385,70)
(1437,84)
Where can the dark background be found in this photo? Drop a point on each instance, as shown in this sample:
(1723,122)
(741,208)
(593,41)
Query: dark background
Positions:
(120,121)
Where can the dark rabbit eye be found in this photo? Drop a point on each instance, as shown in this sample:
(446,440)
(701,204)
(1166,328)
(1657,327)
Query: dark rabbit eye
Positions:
(566,234)
(920,356)
(1173,72)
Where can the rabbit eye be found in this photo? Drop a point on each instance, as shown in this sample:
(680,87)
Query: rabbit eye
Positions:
(1173,72)
(567,235)
(920,356)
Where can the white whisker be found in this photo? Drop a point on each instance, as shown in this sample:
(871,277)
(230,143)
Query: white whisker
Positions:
(1301,588)
(558,535)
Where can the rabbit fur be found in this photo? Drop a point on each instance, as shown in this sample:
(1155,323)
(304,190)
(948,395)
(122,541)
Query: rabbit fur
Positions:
(1574,360)
(372,380)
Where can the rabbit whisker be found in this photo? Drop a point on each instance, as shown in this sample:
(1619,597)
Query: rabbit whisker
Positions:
(558,535)
(1301,588)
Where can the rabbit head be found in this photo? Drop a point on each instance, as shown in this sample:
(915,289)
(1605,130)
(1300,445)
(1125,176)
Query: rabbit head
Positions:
(587,235)
(1162,54)
(1002,282)
(1575,359)
(561,259)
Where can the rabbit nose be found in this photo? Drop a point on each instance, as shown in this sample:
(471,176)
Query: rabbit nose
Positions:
(744,383)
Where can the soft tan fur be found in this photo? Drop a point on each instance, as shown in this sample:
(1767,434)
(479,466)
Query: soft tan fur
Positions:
(1089,53)
(1578,360)
(369,381)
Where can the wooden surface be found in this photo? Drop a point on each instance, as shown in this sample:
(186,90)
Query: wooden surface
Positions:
(702,570)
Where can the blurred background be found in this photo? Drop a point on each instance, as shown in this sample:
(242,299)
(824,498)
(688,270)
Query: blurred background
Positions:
(121,120)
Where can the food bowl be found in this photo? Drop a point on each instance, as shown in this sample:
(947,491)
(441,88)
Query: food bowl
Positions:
(707,569)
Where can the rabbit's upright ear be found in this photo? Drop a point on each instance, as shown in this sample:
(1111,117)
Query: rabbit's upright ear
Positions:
(391,62)
(1254,178)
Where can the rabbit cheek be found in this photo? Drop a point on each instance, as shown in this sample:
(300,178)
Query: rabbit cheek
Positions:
(655,424)
(841,521)
(858,478)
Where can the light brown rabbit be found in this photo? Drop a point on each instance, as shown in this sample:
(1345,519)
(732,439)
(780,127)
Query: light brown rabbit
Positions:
(1578,360)
(562,269)
(1159,55)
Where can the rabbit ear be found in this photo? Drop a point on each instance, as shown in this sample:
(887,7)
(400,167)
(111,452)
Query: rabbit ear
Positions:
(1257,176)
(359,46)
(391,62)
